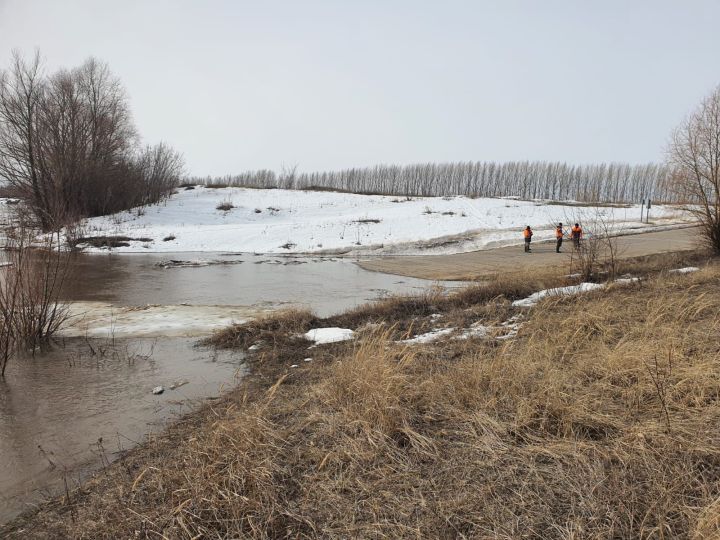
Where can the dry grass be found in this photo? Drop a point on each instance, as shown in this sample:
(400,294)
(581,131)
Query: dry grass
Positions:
(601,420)
(402,315)
(225,206)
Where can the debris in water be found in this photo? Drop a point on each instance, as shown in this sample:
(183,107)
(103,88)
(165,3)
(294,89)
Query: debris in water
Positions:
(198,263)
(158,390)
(178,384)
(181,264)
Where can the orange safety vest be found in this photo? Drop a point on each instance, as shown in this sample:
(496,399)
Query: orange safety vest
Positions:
(558,232)
(527,233)
(577,232)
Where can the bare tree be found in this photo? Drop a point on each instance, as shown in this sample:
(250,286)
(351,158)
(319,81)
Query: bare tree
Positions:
(69,147)
(695,156)
(22,90)
(598,249)
(159,169)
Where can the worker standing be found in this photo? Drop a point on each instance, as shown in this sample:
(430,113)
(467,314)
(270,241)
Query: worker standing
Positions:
(527,233)
(576,234)
(559,237)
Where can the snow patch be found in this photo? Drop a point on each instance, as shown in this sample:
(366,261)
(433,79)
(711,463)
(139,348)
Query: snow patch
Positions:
(477,330)
(627,280)
(571,290)
(429,337)
(686,270)
(329,335)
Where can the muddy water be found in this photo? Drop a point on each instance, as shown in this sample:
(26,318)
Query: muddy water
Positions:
(55,407)
(325,285)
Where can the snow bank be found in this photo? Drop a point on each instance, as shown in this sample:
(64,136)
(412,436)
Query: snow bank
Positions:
(288,221)
(329,335)
(559,291)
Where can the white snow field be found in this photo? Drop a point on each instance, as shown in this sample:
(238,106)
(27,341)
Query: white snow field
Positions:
(288,221)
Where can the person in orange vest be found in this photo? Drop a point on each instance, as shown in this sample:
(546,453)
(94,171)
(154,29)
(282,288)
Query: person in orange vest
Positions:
(559,237)
(527,233)
(576,234)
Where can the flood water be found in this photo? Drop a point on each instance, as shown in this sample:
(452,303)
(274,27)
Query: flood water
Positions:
(67,412)
(326,286)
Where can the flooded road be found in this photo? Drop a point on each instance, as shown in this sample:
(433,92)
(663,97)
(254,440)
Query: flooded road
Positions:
(136,320)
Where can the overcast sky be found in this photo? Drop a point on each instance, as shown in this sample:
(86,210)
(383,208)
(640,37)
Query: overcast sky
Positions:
(238,85)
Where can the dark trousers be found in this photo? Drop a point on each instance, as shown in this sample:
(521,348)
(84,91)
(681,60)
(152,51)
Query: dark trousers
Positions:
(559,245)
(527,244)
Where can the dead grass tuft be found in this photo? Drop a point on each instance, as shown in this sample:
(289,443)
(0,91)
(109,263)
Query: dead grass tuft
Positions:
(225,206)
(277,327)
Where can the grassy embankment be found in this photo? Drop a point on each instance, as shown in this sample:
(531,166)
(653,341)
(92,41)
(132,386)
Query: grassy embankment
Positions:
(600,419)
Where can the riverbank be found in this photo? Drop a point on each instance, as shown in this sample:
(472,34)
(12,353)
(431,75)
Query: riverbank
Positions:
(586,415)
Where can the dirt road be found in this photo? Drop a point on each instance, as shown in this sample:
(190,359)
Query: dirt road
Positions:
(475,264)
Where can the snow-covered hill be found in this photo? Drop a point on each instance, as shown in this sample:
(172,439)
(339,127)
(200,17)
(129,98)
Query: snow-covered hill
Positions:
(285,221)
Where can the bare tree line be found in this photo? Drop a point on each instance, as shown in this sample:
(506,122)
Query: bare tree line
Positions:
(68,145)
(612,182)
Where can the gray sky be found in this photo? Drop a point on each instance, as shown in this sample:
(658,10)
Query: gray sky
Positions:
(238,85)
